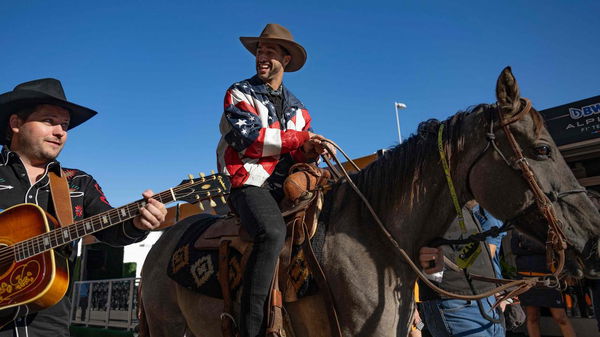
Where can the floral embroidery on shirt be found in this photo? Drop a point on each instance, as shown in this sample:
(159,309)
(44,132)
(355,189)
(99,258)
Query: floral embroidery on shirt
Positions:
(102,197)
(79,211)
(69,174)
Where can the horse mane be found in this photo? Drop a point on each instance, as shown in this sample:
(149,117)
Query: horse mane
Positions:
(406,163)
(538,121)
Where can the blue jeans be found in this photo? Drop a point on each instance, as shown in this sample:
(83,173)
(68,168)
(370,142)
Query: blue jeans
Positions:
(458,318)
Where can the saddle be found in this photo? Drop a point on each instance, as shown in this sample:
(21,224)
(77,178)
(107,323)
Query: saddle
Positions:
(304,189)
(303,201)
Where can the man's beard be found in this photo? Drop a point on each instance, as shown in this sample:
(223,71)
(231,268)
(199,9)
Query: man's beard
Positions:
(40,153)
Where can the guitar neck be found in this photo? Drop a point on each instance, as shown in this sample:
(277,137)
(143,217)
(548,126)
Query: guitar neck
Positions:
(63,235)
(192,191)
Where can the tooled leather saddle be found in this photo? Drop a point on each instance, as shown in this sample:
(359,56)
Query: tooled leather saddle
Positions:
(304,190)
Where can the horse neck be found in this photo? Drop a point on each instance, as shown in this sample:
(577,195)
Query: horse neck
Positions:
(408,189)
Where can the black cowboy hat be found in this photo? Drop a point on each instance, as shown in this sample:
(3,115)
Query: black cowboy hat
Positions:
(275,33)
(42,91)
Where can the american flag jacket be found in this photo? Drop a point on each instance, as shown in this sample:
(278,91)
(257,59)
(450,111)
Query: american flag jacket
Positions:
(253,138)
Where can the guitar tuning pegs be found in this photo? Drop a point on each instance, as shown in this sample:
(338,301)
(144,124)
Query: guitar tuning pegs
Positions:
(197,197)
(202,175)
(212,171)
(212,202)
(222,183)
(220,191)
(201,206)
(191,177)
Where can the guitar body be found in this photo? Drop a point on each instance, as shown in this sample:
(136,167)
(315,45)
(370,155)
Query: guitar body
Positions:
(39,281)
(41,278)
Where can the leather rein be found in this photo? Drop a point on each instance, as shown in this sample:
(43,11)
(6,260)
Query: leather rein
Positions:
(556,241)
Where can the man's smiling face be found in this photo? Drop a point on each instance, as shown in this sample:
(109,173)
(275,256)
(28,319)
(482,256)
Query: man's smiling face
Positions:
(271,60)
(42,135)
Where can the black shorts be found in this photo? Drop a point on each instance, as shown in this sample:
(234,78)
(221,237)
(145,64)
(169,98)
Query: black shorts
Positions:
(543,298)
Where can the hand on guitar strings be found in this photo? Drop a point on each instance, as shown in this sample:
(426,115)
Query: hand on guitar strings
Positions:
(152,215)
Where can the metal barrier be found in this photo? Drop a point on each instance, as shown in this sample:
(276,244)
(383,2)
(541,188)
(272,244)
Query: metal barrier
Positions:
(105,303)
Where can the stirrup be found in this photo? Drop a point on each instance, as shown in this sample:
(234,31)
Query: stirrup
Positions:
(226,315)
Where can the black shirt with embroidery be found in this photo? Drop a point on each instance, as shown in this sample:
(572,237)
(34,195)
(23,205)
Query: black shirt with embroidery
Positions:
(87,199)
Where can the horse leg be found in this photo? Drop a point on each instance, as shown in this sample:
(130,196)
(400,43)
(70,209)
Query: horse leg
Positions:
(159,299)
(202,313)
(159,304)
(308,317)
(164,318)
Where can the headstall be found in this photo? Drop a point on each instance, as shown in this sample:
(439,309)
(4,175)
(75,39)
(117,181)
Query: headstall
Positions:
(555,243)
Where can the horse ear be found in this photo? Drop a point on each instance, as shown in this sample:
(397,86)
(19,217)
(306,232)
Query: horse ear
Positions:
(507,92)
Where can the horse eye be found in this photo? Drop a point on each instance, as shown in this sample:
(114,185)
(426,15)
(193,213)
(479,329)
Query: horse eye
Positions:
(542,150)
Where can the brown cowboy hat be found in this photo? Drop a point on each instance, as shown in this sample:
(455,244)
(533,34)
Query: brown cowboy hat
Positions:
(42,91)
(275,33)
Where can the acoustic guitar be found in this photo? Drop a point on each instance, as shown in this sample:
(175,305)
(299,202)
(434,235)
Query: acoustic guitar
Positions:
(34,277)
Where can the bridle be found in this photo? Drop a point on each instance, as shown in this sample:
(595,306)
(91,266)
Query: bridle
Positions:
(556,242)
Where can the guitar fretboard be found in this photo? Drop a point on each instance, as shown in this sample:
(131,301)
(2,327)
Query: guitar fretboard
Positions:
(63,235)
(192,190)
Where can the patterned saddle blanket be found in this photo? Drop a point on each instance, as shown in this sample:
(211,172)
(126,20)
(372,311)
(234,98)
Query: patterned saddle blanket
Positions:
(196,268)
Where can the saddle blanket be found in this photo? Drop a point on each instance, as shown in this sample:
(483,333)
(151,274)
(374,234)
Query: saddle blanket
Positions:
(197,270)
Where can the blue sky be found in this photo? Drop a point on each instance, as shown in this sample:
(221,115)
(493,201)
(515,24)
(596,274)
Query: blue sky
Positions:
(157,71)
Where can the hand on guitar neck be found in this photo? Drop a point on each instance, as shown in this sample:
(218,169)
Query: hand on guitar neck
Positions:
(152,214)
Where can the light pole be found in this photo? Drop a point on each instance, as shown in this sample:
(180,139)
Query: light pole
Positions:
(399,106)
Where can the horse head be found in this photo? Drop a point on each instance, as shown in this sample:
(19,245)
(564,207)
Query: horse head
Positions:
(514,198)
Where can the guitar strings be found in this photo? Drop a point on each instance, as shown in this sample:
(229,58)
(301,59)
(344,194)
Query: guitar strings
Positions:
(9,253)
(74,228)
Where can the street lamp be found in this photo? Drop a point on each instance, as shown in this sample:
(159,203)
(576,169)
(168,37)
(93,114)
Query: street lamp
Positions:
(399,106)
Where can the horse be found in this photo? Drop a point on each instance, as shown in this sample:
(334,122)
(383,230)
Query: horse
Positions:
(372,288)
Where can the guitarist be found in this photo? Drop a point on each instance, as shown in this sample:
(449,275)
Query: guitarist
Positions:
(34,122)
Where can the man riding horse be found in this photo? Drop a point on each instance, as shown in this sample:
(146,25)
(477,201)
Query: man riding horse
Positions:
(265,129)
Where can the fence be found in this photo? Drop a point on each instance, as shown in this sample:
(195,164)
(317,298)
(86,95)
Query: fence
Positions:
(105,303)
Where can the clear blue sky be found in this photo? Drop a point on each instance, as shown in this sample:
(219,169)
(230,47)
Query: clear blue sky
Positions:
(156,71)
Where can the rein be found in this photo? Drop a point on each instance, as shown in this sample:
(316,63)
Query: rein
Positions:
(556,241)
(508,284)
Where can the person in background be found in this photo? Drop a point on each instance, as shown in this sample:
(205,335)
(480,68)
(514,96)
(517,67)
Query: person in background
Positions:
(595,284)
(531,261)
(445,317)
